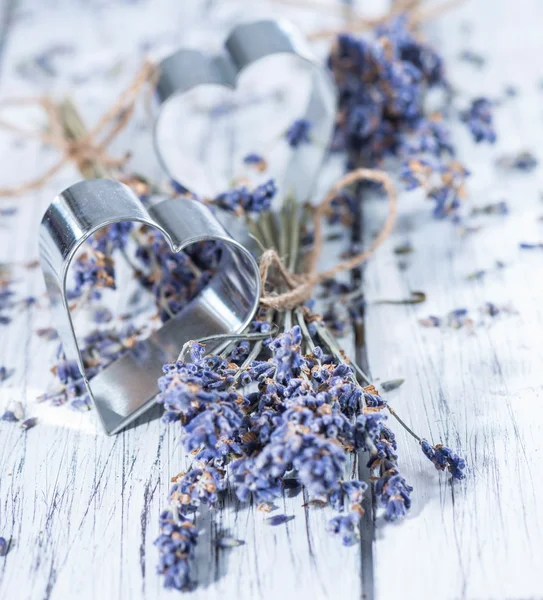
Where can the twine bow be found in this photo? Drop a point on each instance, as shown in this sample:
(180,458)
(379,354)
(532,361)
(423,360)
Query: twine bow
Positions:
(301,285)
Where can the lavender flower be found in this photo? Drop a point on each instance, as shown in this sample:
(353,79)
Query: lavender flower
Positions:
(346,527)
(241,199)
(393,493)
(444,458)
(29,423)
(298,133)
(4,546)
(176,544)
(5,373)
(279,520)
(92,269)
(523,161)
(382,85)
(307,414)
(257,161)
(478,118)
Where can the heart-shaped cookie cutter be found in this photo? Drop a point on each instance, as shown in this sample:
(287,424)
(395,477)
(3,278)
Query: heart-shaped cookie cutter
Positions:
(127,387)
(248,44)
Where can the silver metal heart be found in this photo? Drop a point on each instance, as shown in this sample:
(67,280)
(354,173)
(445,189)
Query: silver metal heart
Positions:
(249,47)
(127,387)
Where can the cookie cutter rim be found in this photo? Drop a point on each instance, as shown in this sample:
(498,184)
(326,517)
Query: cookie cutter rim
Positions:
(86,207)
(246,45)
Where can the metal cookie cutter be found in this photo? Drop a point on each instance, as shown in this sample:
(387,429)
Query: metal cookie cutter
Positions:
(127,387)
(249,44)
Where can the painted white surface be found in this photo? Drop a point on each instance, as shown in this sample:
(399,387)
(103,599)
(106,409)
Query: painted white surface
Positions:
(82,509)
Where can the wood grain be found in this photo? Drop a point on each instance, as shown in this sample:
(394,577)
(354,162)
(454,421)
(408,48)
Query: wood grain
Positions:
(81,509)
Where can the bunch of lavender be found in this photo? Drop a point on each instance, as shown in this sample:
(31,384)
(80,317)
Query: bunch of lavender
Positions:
(383,82)
(285,410)
(289,414)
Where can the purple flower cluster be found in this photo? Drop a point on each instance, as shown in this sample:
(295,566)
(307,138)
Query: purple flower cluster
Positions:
(173,278)
(382,85)
(98,349)
(241,199)
(176,545)
(444,458)
(256,160)
(307,415)
(94,268)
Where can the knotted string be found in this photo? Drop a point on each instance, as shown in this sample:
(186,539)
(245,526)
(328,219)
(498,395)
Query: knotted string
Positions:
(302,285)
(87,149)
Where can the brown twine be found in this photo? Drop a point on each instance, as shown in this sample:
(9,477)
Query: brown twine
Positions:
(301,285)
(86,149)
(355,23)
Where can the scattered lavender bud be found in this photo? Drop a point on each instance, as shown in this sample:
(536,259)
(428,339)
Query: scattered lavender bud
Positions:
(392,384)
(257,161)
(478,118)
(495,208)
(523,161)
(9,417)
(458,318)
(279,520)
(491,309)
(477,60)
(14,412)
(531,246)
(8,211)
(431,321)
(511,91)
(5,373)
(47,333)
(229,542)
(3,546)
(477,275)
(29,423)
(298,133)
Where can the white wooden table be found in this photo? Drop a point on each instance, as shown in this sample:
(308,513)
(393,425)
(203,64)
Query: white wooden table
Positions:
(81,509)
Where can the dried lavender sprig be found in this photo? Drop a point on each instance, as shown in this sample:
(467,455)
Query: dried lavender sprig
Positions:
(336,350)
(220,337)
(403,423)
